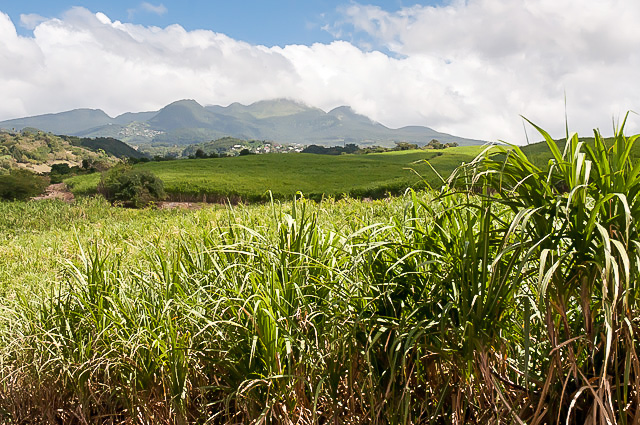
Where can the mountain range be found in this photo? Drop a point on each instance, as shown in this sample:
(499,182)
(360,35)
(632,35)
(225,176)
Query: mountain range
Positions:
(186,121)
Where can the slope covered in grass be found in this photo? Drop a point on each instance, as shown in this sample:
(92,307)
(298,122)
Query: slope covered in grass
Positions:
(539,153)
(251,177)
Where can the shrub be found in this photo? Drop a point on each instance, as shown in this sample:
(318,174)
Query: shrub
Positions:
(62,168)
(132,187)
(21,184)
(61,171)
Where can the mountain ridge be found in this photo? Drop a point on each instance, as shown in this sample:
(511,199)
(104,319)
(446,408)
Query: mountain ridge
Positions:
(186,121)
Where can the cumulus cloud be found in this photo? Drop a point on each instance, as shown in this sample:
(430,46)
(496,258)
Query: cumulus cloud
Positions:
(517,57)
(468,68)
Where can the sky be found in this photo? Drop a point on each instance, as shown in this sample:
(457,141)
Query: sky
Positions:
(472,68)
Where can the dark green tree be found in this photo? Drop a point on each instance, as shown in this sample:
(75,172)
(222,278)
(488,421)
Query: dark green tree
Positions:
(435,144)
(62,168)
(405,146)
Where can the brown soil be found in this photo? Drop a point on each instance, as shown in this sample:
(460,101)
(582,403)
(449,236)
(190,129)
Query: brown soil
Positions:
(182,205)
(56,191)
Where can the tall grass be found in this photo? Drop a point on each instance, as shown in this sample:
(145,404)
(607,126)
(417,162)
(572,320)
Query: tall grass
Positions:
(578,216)
(510,297)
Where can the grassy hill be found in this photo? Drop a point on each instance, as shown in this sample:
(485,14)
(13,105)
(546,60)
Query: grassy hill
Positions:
(37,151)
(540,154)
(251,177)
(231,146)
(109,145)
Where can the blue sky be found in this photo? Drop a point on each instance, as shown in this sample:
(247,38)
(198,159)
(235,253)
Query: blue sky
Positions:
(256,22)
(465,67)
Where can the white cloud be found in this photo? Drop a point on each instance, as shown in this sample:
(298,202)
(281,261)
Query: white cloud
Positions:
(468,68)
(148,7)
(158,10)
(31,20)
(503,58)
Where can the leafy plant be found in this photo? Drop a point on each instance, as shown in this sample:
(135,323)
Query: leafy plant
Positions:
(510,296)
(21,184)
(135,187)
(577,221)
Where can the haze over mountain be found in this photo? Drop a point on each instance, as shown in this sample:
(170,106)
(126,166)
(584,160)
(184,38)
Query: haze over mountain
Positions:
(186,121)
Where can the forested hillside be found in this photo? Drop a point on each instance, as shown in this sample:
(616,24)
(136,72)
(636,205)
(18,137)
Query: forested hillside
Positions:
(37,151)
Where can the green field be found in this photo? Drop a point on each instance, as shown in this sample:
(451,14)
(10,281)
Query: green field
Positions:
(540,155)
(251,177)
(509,297)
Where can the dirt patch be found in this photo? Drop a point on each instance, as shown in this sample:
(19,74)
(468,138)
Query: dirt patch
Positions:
(181,205)
(37,168)
(56,191)
(46,167)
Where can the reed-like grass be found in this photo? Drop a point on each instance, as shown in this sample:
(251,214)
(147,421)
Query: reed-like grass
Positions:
(511,297)
(578,221)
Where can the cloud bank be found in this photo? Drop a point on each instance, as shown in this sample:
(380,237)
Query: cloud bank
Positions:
(467,68)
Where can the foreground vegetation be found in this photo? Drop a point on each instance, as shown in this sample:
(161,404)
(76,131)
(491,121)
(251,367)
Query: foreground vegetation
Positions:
(511,297)
(261,177)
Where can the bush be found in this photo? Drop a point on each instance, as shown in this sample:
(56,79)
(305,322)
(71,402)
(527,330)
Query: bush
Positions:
(21,184)
(132,187)
(62,168)
(59,172)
